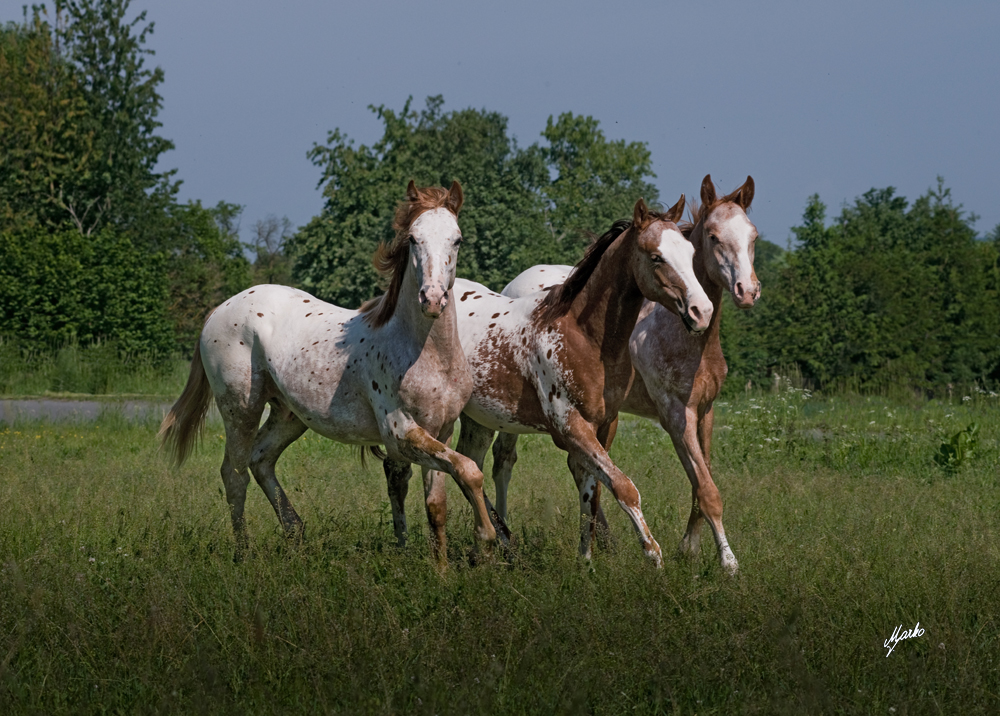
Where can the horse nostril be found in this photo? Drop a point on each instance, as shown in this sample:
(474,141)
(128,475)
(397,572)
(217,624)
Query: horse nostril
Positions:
(739,290)
(423,296)
(695,313)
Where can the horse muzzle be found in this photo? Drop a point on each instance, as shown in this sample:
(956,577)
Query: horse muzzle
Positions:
(745,297)
(433,300)
(696,319)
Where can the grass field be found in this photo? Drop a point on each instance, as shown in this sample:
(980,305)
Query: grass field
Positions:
(118,593)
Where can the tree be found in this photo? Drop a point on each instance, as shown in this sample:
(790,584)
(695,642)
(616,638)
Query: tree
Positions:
(888,295)
(515,214)
(108,55)
(63,287)
(502,214)
(45,147)
(204,265)
(596,181)
(271,263)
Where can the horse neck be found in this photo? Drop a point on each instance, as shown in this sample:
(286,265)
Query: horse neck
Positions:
(714,290)
(608,306)
(438,334)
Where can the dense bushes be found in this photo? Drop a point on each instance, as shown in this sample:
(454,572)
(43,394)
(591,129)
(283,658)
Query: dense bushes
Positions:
(64,287)
(94,245)
(887,295)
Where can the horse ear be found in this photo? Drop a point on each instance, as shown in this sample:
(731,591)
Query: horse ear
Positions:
(707,191)
(746,194)
(455,198)
(411,191)
(675,212)
(640,213)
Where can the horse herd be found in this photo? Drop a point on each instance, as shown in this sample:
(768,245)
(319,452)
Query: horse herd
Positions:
(633,327)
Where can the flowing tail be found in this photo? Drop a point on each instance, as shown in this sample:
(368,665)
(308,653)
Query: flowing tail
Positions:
(182,427)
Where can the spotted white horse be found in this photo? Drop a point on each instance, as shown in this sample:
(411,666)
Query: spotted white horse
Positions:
(391,374)
(559,364)
(679,374)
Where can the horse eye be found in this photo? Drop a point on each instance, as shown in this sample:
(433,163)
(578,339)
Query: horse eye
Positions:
(413,241)
(657,259)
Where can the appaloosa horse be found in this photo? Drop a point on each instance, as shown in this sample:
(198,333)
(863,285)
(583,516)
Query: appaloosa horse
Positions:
(392,373)
(559,363)
(679,374)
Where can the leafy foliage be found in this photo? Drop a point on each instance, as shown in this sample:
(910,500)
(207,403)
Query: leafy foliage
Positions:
(960,448)
(108,55)
(204,264)
(78,151)
(596,181)
(522,206)
(63,287)
(44,146)
(887,295)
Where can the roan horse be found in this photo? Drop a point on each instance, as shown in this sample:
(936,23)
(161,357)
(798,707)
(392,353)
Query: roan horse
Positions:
(679,374)
(391,374)
(559,363)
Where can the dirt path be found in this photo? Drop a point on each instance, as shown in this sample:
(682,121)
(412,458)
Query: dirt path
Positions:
(13,410)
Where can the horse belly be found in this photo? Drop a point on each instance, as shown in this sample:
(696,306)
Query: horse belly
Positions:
(496,417)
(638,401)
(503,398)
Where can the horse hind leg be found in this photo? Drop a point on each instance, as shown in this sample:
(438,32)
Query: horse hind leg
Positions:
(397,478)
(474,442)
(235,482)
(241,429)
(504,457)
(282,428)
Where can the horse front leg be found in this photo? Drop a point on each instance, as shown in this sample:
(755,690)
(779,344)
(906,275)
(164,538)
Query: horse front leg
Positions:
(607,436)
(420,447)
(436,506)
(706,424)
(706,502)
(590,462)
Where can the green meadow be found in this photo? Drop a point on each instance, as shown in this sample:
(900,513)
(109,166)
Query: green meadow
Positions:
(119,595)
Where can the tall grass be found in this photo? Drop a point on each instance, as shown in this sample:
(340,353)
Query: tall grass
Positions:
(98,369)
(118,592)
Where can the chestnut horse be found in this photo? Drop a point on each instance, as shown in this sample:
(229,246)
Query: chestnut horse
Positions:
(559,363)
(679,374)
(391,374)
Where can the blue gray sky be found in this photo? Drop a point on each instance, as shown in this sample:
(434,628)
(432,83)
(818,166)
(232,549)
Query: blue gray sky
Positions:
(832,98)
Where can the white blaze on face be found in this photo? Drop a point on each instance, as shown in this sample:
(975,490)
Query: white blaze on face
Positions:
(739,233)
(434,249)
(678,252)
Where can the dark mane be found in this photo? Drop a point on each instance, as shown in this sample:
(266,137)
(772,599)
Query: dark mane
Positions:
(390,258)
(558,300)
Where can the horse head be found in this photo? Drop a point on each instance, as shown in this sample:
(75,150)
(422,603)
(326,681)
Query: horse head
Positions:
(663,265)
(728,239)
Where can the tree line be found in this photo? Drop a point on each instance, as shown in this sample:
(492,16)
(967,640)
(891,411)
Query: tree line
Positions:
(95,246)
(887,294)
